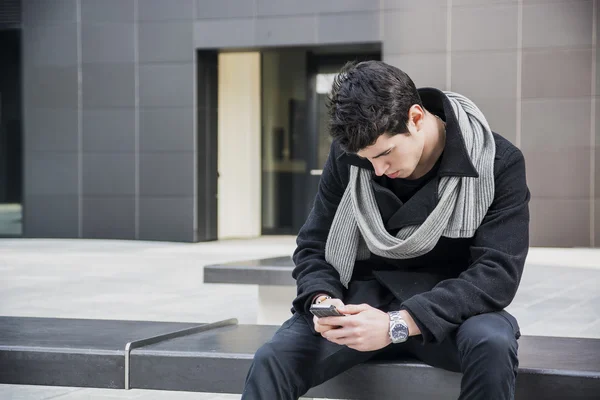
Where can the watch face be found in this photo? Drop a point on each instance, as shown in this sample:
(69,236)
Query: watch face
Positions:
(399,332)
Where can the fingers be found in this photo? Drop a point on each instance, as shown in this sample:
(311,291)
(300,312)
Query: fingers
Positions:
(355,308)
(336,302)
(337,334)
(333,321)
(320,327)
(350,341)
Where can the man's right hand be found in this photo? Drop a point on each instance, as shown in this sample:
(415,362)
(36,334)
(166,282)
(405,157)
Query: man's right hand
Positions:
(322,328)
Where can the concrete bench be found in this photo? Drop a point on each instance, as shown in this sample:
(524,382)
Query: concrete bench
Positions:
(216,357)
(276,287)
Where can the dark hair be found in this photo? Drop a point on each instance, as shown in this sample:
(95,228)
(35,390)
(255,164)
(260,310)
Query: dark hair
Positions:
(369,99)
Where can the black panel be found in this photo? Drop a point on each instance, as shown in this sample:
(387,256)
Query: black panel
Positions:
(207,103)
(199,362)
(267,271)
(89,353)
(70,352)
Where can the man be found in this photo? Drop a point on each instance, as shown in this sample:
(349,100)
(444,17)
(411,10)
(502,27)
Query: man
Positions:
(418,234)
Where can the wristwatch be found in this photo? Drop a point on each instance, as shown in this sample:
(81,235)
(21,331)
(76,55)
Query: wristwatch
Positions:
(398,327)
(321,299)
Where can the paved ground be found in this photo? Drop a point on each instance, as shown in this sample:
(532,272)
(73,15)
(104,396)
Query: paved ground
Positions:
(163,282)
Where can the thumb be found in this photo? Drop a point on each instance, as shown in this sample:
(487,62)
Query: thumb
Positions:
(354,308)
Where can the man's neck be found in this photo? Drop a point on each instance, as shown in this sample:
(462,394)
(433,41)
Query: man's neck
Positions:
(435,141)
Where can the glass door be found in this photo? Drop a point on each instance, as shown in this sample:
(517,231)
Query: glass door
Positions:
(322,69)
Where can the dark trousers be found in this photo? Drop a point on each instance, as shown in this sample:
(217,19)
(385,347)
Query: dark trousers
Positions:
(483,348)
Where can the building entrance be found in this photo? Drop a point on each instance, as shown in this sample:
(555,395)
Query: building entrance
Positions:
(295,139)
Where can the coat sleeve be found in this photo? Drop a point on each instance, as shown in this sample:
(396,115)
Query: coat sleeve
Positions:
(312,273)
(497,257)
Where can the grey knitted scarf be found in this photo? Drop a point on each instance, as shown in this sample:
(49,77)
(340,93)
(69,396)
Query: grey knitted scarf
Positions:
(358,230)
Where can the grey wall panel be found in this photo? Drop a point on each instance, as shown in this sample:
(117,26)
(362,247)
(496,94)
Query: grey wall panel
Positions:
(51,216)
(160,10)
(225,9)
(485,75)
(349,28)
(107,11)
(560,222)
(108,217)
(47,129)
(482,2)
(167,218)
(51,173)
(286,31)
(501,115)
(557,73)
(108,85)
(548,175)
(166,85)
(222,33)
(597,159)
(415,31)
(485,28)
(555,123)
(407,5)
(597,225)
(50,87)
(597,179)
(167,174)
(292,7)
(108,43)
(108,174)
(336,6)
(598,64)
(52,44)
(166,41)
(425,69)
(108,130)
(285,7)
(167,129)
(597,49)
(38,11)
(562,23)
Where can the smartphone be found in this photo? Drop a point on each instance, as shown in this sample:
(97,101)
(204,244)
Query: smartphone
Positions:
(325,310)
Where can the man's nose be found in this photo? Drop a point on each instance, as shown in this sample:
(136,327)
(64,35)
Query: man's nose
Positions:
(380,167)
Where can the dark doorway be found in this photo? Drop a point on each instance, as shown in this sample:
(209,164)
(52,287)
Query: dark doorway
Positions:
(295,141)
(321,69)
(207,107)
(11,138)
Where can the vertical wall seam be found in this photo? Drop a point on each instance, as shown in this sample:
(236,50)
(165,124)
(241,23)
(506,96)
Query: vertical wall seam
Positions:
(79,124)
(518,139)
(593,215)
(381,23)
(136,75)
(449,46)
(194,133)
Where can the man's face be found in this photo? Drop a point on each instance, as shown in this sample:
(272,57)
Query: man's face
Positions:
(396,156)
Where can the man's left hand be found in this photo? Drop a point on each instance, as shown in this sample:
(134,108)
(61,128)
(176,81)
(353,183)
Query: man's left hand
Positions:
(363,328)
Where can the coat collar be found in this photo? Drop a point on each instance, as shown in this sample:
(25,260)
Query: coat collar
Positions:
(455,159)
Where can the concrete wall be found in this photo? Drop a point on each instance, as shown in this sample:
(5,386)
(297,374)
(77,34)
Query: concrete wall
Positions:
(102,79)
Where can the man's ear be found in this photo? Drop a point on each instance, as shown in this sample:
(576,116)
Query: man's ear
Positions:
(416,115)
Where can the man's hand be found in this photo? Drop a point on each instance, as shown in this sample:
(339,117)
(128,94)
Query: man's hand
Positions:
(363,328)
(319,326)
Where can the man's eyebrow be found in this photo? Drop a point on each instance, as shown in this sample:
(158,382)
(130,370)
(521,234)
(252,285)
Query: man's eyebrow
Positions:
(382,153)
